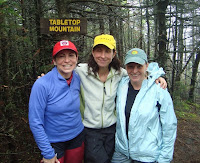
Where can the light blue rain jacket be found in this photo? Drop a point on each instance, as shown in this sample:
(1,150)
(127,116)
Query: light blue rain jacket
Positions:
(151,138)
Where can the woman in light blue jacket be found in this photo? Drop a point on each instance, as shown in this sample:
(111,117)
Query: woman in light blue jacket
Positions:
(146,124)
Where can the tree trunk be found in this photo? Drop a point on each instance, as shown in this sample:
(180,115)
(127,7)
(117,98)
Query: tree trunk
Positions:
(120,41)
(63,9)
(174,54)
(194,76)
(112,25)
(140,44)
(148,30)
(101,24)
(162,38)
(180,51)
(155,33)
(5,77)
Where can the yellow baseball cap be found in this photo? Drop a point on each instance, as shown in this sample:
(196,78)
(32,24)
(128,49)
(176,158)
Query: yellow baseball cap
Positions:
(105,39)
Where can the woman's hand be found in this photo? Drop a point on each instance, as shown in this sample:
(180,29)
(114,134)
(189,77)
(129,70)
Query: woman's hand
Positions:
(41,75)
(53,160)
(162,81)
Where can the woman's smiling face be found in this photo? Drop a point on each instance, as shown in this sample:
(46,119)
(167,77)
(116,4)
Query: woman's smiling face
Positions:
(136,72)
(103,55)
(66,61)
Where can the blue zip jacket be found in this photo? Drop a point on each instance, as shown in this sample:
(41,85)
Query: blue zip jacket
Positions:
(150,137)
(54,111)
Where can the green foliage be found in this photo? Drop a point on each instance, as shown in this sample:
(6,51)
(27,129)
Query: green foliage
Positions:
(180,91)
(45,68)
(187,110)
(10,106)
(2,1)
(11,9)
(187,116)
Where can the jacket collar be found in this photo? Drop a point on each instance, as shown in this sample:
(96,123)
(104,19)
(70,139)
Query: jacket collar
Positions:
(111,73)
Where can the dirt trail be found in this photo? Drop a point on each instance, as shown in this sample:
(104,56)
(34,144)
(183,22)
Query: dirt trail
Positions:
(187,146)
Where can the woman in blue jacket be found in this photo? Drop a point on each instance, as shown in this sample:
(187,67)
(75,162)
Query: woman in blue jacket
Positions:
(146,124)
(54,109)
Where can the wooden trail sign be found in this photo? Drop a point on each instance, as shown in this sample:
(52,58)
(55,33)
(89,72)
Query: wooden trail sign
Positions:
(63,26)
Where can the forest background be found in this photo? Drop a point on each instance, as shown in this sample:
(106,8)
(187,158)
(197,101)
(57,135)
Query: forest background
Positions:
(168,30)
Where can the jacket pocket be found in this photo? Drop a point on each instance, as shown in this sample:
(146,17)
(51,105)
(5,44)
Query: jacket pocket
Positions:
(150,144)
(121,144)
(155,140)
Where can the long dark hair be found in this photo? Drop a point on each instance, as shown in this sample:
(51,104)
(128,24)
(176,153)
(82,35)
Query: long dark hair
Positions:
(92,65)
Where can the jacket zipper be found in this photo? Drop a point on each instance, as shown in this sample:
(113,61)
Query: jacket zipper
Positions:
(104,88)
(104,93)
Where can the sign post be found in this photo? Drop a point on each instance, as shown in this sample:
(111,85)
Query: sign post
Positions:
(63,26)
